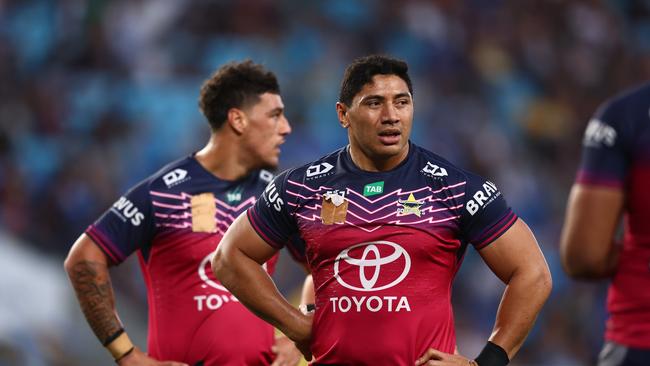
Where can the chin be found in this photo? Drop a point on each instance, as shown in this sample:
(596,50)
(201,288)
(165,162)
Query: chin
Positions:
(270,163)
(391,150)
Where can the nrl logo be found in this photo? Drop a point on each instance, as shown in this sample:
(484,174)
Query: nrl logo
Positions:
(410,206)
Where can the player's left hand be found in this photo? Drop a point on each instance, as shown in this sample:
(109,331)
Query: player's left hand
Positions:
(286,352)
(434,357)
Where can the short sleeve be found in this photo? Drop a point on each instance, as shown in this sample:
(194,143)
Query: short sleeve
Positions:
(486,215)
(127,226)
(271,215)
(604,158)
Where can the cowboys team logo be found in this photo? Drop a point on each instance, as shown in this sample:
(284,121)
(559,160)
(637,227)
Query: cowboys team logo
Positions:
(372,266)
(409,206)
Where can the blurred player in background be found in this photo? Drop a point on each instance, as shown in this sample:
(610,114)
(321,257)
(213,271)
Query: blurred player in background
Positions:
(385,226)
(174,220)
(613,182)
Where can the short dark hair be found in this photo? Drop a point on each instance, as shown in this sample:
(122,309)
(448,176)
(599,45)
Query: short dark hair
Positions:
(234,85)
(361,71)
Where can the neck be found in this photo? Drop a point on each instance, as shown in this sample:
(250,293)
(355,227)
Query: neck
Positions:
(365,161)
(223,157)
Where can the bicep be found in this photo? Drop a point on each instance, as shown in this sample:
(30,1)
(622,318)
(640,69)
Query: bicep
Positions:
(516,249)
(592,217)
(242,238)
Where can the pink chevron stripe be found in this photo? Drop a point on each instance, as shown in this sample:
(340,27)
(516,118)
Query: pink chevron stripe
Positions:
(401,192)
(314,217)
(315,196)
(185,215)
(314,207)
(426,209)
(181,196)
(226,216)
(304,186)
(185,195)
(394,213)
(425,199)
(176,207)
(183,225)
(427,220)
(250,200)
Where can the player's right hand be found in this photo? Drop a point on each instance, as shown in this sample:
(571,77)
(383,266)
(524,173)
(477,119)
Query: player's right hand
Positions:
(139,358)
(434,357)
(302,335)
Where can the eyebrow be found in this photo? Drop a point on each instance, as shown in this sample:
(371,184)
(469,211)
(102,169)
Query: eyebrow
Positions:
(381,97)
(276,110)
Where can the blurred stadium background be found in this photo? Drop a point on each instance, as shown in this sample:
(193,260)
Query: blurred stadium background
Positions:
(96,95)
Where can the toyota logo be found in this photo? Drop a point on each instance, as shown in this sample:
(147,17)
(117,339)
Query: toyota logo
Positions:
(371,257)
(203,274)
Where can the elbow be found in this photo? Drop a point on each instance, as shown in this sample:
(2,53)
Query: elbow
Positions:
(545,282)
(219,264)
(583,268)
(573,269)
(67,264)
(70,261)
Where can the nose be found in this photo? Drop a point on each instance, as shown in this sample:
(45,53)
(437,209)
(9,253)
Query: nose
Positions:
(285,127)
(389,114)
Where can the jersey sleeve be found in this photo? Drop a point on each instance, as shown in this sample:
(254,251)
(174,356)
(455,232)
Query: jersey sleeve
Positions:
(125,227)
(486,215)
(604,156)
(271,216)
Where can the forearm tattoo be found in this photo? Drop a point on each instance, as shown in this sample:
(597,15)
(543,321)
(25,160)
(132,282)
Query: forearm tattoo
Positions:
(92,284)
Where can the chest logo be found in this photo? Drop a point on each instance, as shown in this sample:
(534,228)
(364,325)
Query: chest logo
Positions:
(386,263)
(434,170)
(372,189)
(319,169)
(334,208)
(410,206)
(175,177)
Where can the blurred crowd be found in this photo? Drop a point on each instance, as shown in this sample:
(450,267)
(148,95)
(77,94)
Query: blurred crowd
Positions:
(95,95)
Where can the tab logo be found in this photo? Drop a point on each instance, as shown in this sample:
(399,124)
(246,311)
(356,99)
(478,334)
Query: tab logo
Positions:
(372,189)
(234,195)
(126,210)
(434,170)
(482,197)
(319,169)
(175,177)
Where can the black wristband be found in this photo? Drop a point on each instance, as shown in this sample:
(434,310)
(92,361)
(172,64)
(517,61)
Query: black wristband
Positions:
(112,337)
(492,355)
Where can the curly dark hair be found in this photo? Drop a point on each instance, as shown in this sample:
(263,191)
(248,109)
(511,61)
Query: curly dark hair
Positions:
(361,71)
(234,85)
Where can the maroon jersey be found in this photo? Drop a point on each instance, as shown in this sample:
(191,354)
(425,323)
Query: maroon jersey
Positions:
(616,153)
(383,248)
(175,220)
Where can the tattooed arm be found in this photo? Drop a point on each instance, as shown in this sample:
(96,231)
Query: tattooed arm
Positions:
(87,268)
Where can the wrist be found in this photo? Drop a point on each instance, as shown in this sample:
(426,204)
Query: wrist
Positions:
(492,355)
(298,328)
(119,345)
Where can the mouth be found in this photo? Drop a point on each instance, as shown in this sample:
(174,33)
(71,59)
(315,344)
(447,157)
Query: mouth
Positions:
(390,136)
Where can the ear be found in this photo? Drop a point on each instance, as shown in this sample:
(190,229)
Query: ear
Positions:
(237,120)
(342,111)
